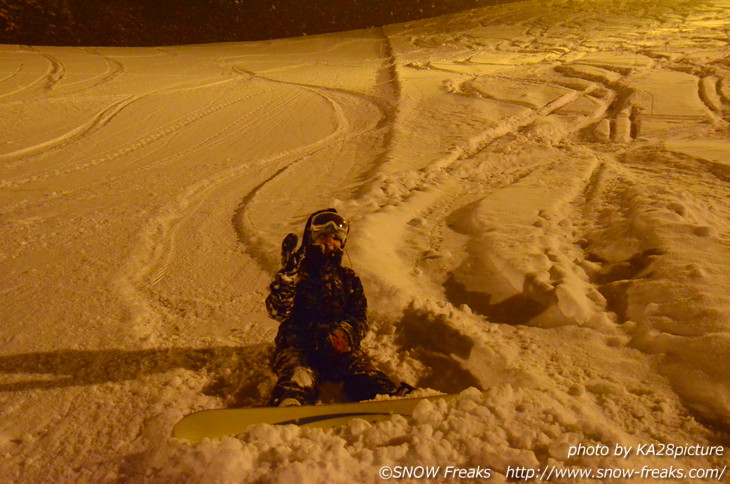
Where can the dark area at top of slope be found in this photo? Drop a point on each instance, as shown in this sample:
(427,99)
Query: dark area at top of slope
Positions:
(174,22)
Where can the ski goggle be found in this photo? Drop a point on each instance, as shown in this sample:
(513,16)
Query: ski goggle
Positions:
(330,222)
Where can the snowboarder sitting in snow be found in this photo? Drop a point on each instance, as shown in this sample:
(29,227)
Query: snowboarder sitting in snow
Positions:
(322,310)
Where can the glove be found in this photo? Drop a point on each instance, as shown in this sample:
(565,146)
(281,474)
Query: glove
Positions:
(290,258)
(339,342)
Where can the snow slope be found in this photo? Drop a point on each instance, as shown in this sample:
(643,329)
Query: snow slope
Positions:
(539,196)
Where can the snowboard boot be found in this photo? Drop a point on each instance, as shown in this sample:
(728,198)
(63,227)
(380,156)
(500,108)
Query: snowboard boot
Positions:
(290,402)
(403,390)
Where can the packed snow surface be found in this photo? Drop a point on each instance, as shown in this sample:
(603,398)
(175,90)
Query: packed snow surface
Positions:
(540,200)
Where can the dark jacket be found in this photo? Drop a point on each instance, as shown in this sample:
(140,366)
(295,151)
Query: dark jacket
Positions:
(319,298)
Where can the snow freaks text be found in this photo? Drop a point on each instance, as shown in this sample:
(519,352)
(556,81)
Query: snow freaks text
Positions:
(558,473)
(434,472)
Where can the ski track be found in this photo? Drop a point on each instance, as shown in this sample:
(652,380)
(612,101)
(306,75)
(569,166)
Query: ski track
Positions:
(262,243)
(11,76)
(622,129)
(113,70)
(104,119)
(56,72)
(98,121)
(46,82)
(603,293)
(29,86)
(148,266)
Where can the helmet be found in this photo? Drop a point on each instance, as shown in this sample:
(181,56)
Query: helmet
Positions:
(326,221)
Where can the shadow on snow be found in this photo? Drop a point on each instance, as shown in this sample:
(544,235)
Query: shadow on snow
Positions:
(230,369)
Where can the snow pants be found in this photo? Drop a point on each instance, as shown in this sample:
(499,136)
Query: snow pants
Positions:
(299,373)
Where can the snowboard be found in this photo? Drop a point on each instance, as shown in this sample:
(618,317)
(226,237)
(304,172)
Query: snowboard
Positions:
(218,423)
